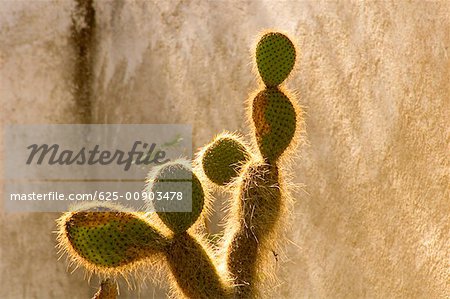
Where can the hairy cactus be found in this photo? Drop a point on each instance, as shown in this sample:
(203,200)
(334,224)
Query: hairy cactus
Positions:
(275,120)
(110,241)
(177,177)
(193,268)
(258,206)
(223,158)
(275,58)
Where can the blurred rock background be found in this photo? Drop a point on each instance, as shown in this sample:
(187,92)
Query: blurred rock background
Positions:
(374,80)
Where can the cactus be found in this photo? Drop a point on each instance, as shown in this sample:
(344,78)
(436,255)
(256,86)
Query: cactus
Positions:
(223,158)
(194,270)
(177,177)
(275,121)
(257,209)
(275,58)
(109,241)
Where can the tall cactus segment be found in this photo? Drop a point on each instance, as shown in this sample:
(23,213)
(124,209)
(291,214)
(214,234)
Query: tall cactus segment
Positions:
(260,199)
(110,241)
(257,210)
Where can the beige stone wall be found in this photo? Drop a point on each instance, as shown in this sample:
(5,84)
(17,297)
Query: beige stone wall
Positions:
(374,79)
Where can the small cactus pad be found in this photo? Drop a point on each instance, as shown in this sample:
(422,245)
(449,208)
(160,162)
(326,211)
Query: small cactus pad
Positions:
(274,117)
(110,239)
(178,196)
(223,158)
(275,58)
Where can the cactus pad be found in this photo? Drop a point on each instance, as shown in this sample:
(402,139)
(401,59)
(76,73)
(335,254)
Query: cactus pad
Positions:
(274,117)
(192,266)
(275,58)
(223,158)
(111,239)
(177,178)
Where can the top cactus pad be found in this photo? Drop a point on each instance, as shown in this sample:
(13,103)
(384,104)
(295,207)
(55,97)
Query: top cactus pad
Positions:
(275,58)
(223,159)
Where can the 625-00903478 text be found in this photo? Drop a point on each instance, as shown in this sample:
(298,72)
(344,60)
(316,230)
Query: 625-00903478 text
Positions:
(102,195)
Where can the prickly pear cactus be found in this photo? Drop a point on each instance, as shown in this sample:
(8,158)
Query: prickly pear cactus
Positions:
(107,240)
(111,242)
(223,158)
(121,237)
(194,268)
(177,177)
(261,199)
(275,121)
(257,207)
(275,58)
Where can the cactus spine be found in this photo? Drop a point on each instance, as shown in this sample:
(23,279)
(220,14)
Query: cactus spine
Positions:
(110,241)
